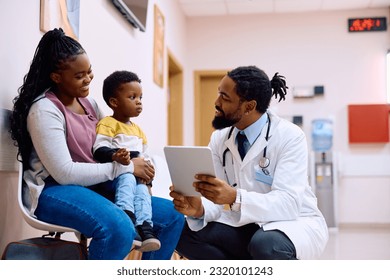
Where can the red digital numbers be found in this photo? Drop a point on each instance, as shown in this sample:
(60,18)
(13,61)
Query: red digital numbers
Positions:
(367,24)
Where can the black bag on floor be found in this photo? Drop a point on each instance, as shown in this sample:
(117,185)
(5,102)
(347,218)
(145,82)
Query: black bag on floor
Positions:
(45,248)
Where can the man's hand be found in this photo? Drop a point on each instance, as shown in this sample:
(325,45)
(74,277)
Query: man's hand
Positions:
(122,156)
(187,205)
(214,189)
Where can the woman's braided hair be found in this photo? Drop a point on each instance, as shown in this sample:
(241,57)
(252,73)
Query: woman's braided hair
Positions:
(253,83)
(53,50)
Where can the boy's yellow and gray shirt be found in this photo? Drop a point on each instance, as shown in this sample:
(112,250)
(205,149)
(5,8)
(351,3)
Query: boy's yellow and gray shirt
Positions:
(115,134)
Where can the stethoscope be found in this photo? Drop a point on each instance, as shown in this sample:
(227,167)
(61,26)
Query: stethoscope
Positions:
(264,161)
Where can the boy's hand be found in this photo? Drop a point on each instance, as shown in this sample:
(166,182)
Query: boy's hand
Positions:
(122,156)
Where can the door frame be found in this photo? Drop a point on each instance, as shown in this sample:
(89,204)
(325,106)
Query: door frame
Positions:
(198,76)
(174,101)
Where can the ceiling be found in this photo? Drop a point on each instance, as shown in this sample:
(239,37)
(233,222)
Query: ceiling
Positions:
(193,8)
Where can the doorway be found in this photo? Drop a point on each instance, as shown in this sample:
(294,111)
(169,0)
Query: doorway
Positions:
(175,102)
(206,91)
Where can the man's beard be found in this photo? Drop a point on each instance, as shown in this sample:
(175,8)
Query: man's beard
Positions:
(224,121)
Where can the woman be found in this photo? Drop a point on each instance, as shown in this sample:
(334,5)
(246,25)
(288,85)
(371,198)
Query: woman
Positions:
(53,123)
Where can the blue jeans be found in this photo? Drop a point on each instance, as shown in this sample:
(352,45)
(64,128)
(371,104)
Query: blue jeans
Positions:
(90,212)
(133,197)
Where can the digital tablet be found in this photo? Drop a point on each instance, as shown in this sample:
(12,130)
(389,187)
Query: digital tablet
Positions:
(186,161)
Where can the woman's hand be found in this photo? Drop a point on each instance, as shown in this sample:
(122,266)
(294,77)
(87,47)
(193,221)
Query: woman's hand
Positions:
(143,169)
(187,205)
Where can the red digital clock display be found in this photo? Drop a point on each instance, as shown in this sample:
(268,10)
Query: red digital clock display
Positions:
(367,24)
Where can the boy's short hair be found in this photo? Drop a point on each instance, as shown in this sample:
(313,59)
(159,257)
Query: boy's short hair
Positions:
(112,83)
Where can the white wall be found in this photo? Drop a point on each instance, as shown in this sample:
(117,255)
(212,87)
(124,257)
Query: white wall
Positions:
(311,49)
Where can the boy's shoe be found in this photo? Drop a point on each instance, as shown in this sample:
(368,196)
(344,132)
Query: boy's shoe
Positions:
(137,242)
(149,240)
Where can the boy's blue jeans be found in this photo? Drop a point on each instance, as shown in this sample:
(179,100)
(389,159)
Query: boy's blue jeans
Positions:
(133,197)
(89,211)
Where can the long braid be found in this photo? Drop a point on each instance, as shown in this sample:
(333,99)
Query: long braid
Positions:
(253,83)
(53,50)
(279,87)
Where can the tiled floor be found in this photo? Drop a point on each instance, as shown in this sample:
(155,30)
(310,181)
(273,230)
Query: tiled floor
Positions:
(358,244)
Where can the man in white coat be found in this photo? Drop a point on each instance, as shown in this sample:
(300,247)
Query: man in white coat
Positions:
(260,205)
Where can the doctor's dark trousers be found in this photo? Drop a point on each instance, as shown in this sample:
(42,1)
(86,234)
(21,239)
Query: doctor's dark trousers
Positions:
(218,241)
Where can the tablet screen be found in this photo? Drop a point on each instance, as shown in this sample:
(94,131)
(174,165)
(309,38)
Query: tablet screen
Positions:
(186,161)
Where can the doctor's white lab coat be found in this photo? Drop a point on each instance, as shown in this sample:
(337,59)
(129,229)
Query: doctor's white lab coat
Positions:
(283,200)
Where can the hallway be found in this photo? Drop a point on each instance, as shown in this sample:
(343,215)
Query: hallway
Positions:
(354,243)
